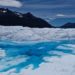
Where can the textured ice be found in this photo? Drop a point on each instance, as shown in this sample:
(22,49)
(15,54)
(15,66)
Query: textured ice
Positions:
(51,58)
(53,54)
(2,53)
(19,33)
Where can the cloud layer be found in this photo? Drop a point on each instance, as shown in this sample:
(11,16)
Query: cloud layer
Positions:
(11,3)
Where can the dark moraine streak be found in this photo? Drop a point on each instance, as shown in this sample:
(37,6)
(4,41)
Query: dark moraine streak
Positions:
(11,18)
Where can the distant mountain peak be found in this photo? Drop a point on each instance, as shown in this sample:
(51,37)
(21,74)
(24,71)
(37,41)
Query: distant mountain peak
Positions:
(29,14)
(68,25)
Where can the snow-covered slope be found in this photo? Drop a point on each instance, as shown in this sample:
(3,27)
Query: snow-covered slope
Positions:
(18,33)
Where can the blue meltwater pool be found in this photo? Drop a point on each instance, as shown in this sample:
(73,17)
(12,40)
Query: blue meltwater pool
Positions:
(15,57)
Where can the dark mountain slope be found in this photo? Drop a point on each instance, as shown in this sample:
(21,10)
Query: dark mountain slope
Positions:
(10,18)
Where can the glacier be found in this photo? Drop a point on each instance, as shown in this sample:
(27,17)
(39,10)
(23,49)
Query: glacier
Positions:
(37,51)
(21,34)
(55,58)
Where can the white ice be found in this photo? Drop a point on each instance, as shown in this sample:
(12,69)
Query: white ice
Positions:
(19,33)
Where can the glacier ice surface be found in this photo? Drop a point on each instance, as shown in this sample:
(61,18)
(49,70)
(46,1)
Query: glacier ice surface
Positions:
(20,34)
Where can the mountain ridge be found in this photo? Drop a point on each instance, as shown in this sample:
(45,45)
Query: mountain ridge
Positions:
(12,18)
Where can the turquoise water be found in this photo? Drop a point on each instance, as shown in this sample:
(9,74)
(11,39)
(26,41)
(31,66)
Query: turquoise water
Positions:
(21,55)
